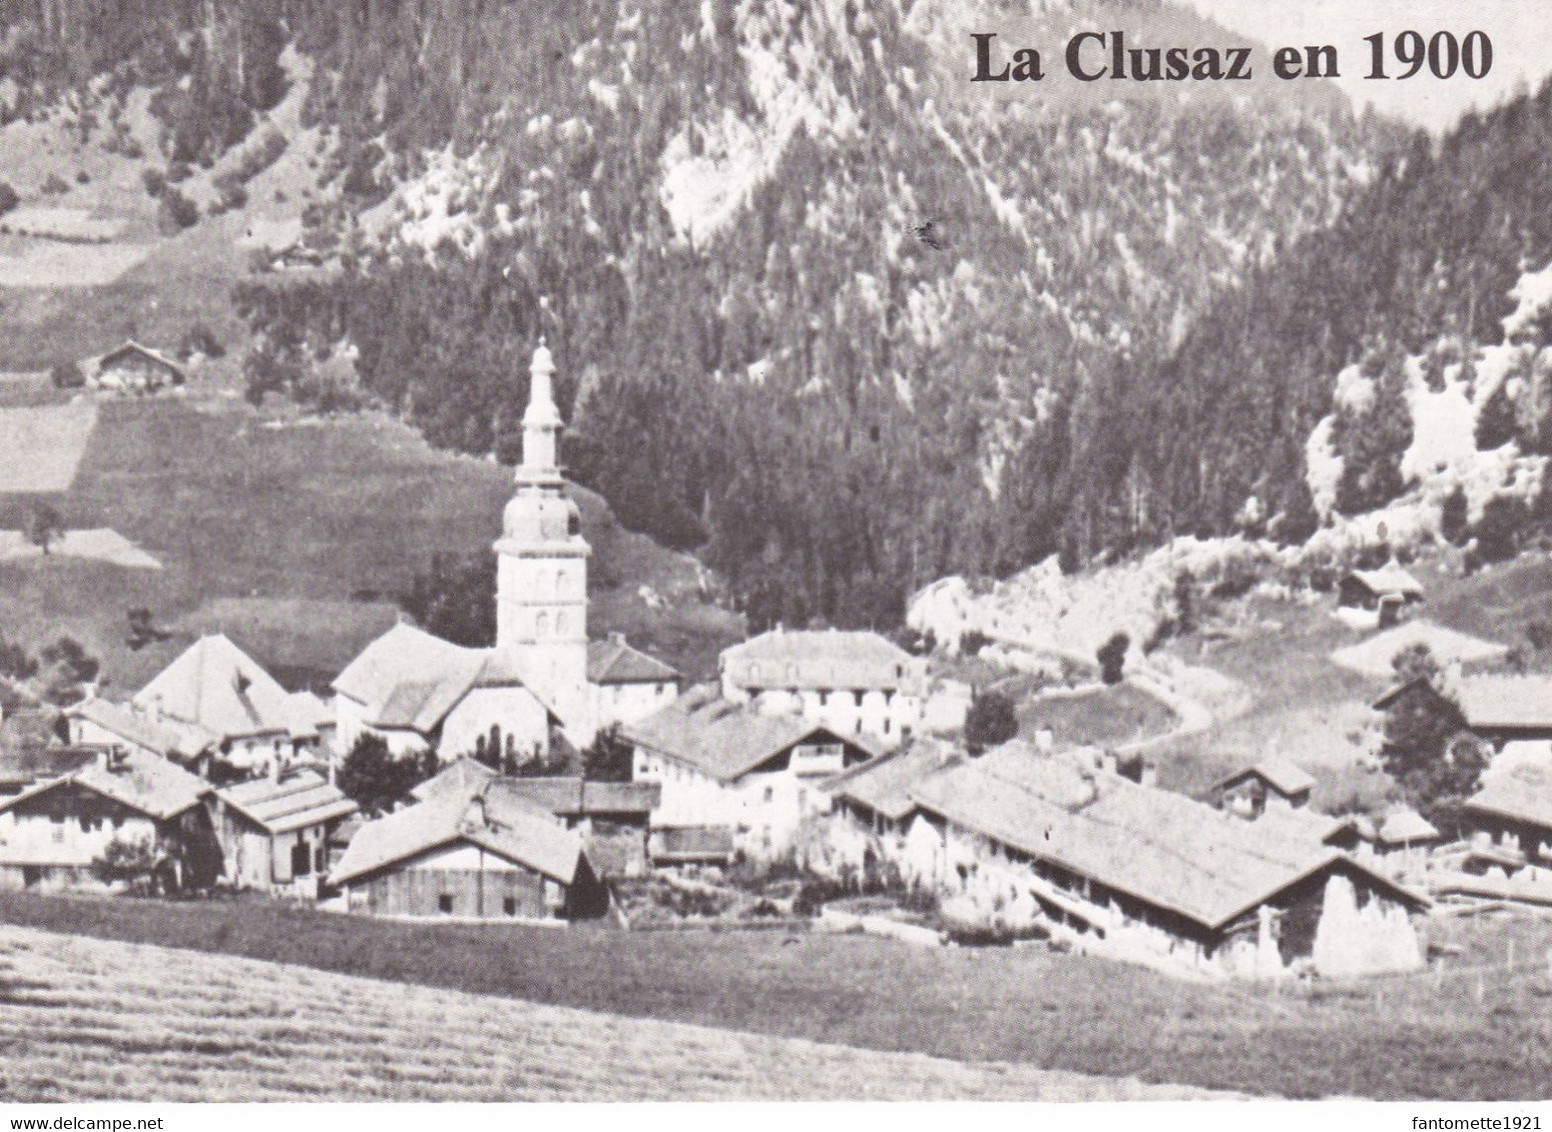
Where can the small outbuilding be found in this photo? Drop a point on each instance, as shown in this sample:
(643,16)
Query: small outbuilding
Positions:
(492,856)
(133,368)
(1272,781)
(1386,591)
(275,831)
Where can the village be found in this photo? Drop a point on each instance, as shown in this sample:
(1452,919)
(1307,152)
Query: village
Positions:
(823,779)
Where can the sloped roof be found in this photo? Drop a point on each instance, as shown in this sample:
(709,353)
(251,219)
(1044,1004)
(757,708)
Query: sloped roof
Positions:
(1390,579)
(575,796)
(299,636)
(293,802)
(465,775)
(1277,772)
(511,827)
(1400,827)
(826,658)
(35,764)
(144,782)
(884,784)
(410,679)
(130,346)
(613,661)
(166,736)
(723,739)
(1160,847)
(217,686)
(1522,794)
(1506,701)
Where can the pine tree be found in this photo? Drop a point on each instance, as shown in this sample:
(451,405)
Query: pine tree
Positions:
(1496,423)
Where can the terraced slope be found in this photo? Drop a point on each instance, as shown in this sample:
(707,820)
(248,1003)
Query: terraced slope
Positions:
(84,1019)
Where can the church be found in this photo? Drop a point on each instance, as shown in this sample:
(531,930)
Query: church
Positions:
(542,677)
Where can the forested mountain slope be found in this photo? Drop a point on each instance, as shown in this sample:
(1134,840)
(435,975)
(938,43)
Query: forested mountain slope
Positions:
(819,312)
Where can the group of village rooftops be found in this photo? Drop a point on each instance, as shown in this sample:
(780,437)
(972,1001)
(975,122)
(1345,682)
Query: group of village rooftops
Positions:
(815,748)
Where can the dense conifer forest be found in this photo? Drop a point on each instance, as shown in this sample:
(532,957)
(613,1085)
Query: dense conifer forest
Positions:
(918,334)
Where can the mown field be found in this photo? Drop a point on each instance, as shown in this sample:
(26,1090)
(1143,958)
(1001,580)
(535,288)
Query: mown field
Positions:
(86,1019)
(239,503)
(1399,1038)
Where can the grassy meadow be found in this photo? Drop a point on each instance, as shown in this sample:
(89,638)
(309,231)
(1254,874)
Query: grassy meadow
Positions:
(1397,1038)
(86,1019)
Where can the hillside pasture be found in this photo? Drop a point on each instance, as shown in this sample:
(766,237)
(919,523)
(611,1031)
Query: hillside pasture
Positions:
(86,1019)
(41,446)
(1108,717)
(1391,1039)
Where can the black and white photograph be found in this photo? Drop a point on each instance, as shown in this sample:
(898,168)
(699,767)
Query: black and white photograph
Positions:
(776,550)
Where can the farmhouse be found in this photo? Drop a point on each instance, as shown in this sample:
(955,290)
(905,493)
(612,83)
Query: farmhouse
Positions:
(1386,591)
(1145,874)
(51,832)
(851,682)
(873,808)
(1499,709)
(215,688)
(486,856)
(133,368)
(735,777)
(99,722)
(1512,812)
(613,818)
(275,831)
(628,684)
(1274,781)
(420,692)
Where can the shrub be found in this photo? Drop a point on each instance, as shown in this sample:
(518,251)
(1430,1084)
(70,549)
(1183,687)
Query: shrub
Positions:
(972,641)
(199,339)
(990,721)
(55,184)
(8,198)
(177,211)
(1112,658)
(67,375)
(82,177)
(154,181)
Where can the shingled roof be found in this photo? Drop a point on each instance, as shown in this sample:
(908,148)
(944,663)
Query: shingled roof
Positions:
(409,679)
(144,782)
(724,739)
(614,661)
(510,827)
(295,801)
(1157,846)
(1277,772)
(1391,579)
(1523,794)
(564,795)
(1506,701)
(165,736)
(213,684)
(825,658)
(884,784)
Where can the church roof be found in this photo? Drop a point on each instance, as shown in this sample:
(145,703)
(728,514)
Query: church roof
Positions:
(508,826)
(215,685)
(409,679)
(825,658)
(613,661)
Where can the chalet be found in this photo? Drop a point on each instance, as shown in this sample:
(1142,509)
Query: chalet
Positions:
(1498,709)
(854,683)
(1384,592)
(735,776)
(1512,812)
(28,766)
(274,831)
(1397,842)
(1148,875)
(613,818)
(52,832)
(873,807)
(133,368)
(419,692)
(628,684)
(489,856)
(1274,781)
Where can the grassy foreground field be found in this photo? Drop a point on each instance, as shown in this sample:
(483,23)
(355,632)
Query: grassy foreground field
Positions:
(1396,1039)
(86,1019)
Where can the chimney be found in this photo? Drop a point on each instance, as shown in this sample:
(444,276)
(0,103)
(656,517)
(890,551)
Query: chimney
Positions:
(616,637)
(1149,775)
(1045,740)
(1107,760)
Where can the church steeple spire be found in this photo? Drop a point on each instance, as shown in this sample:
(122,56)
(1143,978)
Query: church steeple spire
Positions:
(541,424)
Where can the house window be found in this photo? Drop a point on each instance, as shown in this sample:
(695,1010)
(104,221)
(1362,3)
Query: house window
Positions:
(445,903)
(301,860)
(509,905)
(770,794)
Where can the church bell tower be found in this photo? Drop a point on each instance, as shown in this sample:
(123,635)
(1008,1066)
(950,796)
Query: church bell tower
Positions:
(541,565)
